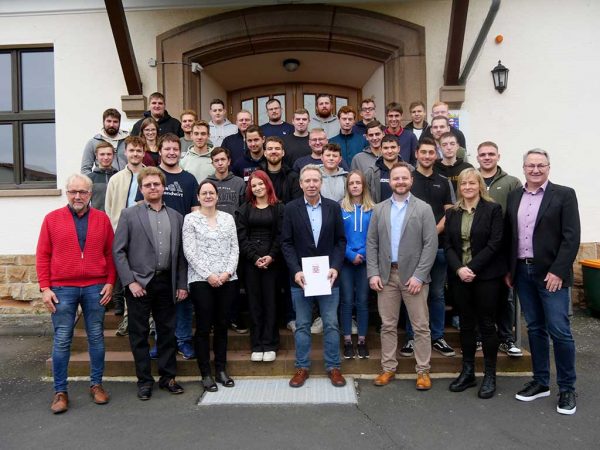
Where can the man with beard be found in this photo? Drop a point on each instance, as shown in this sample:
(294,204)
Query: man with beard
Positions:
(401,247)
(296,144)
(236,143)
(285,180)
(253,157)
(325,117)
(110,132)
(166,123)
(275,126)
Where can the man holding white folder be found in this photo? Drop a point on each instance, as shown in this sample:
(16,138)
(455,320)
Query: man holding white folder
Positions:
(313,244)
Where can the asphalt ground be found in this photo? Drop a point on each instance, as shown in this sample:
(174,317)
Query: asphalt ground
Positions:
(392,417)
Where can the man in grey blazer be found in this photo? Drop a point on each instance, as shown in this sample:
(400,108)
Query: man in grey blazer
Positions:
(149,258)
(401,248)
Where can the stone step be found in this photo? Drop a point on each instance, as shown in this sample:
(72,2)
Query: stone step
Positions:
(242,341)
(120,363)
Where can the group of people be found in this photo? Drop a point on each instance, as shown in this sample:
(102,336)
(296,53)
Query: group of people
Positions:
(191,206)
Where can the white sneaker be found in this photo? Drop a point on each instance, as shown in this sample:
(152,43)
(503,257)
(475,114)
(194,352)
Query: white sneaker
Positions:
(317,326)
(256,356)
(354,327)
(291,325)
(269,356)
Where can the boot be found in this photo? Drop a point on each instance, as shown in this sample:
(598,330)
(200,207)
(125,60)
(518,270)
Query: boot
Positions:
(488,386)
(466,379)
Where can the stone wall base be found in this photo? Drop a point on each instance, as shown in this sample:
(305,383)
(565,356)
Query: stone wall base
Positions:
(19,290)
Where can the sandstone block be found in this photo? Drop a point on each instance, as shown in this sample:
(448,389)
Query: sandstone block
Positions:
(30,291)
(26,260)
(17,274)
(8,260)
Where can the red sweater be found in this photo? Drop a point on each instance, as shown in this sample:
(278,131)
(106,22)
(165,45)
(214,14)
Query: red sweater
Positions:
(59,259)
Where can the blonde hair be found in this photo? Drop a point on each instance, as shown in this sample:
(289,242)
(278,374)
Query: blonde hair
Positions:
(365,198)
(483,192)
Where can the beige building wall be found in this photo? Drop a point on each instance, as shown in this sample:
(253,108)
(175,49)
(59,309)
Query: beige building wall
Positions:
(550,101)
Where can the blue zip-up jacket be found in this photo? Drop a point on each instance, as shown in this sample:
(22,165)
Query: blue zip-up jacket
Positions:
(356,224)
(351,144)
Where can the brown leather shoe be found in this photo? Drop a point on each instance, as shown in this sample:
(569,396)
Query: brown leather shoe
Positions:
(60,403)
(384,378)
(336,377)
(299,378)
(423,381)
(99,395)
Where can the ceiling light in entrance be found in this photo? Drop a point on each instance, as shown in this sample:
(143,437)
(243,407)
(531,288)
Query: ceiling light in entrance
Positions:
(291,64)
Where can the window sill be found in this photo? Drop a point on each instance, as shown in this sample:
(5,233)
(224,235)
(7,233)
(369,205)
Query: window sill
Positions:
(30,193)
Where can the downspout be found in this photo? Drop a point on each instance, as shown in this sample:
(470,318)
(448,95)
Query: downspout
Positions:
(483,32)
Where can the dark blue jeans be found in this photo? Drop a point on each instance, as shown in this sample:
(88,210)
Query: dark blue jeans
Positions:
(547,316)
(354,293)
(63,321)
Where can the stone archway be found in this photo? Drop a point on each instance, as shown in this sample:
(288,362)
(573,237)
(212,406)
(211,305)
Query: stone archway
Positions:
(397,44)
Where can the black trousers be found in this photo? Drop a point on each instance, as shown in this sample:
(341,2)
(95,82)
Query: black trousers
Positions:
(261,289)
(211,306)
(477,303)
(158,301)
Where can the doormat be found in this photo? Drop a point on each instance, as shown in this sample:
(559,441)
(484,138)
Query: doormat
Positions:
(276,391)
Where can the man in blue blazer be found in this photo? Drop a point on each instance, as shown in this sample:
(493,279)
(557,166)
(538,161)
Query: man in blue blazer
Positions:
(312,226)
(543,231)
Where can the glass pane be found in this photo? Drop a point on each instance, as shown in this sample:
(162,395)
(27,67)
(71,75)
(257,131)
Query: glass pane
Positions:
(5,82)
(339,102)
(39,148)
(309,103)
(6,154)
(37,78)
(248,105)
(263,117)
(281,98)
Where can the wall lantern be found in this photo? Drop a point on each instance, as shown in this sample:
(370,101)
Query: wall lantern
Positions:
(500,75)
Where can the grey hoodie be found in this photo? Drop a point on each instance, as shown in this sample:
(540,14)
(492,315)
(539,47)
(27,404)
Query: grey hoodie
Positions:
(333,186)
(232,192)
(88,158)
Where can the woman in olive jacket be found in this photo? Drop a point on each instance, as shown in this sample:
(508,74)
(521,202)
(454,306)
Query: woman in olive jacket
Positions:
(475,273)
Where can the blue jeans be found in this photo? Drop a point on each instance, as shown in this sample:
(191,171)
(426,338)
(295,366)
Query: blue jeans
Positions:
(328,306)
(183,329)
(435,300)
(354,289)
(63,321)
(547,315)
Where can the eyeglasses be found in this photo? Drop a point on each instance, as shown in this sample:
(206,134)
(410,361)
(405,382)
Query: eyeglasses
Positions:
(318,139)
(532,167)
(151,185)
(81,193)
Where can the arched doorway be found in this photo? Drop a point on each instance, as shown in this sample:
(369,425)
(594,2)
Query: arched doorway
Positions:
(369,38)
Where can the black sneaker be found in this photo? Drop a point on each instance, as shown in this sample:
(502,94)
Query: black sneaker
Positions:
(566,403)
(363,351)
(510,349)
(531,391)
(408,349)
(441,346)
(348,350)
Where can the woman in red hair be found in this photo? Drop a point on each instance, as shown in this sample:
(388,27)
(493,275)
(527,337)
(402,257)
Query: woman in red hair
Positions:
(259,228)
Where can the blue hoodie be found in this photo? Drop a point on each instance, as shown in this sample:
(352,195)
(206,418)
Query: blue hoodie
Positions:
(356,224)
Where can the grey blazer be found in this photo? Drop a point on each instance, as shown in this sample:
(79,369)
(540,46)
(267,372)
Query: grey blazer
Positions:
(418,244)
(134,253)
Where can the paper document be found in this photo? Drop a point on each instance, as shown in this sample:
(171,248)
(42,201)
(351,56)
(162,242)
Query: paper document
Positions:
(315,271)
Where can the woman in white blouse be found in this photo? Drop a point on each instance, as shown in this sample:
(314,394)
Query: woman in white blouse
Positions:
(211,248)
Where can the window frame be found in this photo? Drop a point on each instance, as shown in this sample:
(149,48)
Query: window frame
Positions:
(17,118)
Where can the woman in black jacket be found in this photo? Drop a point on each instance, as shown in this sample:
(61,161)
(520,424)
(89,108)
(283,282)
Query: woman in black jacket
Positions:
(473,234)
(259,228)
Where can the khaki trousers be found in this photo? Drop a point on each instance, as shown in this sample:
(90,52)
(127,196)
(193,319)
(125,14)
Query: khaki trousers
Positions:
(388,303)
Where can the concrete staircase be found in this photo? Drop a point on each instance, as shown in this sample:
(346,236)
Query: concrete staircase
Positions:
(119,360)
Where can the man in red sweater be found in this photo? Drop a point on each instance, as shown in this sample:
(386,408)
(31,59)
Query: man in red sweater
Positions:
(75,267)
